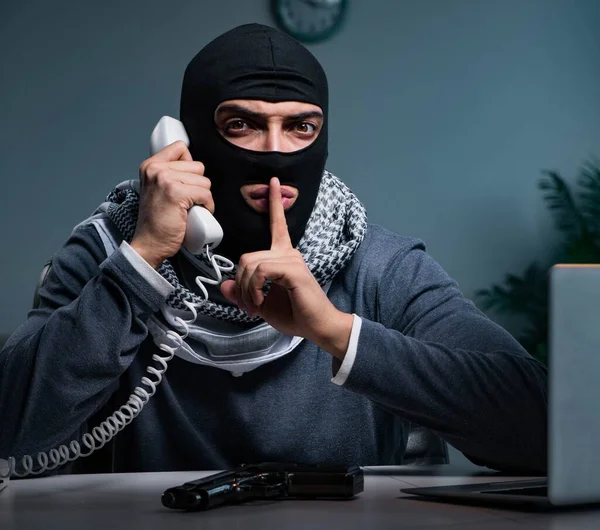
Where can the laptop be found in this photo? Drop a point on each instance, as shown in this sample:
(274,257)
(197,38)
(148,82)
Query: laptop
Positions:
(573,474)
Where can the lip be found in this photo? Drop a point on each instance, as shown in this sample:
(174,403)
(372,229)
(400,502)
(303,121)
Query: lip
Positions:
(262,205)
(263,193)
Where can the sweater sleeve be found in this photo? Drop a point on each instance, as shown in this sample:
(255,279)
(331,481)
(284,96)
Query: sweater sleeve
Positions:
(437,361)
(63,363)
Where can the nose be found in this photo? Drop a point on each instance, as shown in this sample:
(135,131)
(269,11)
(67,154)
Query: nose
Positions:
(272,140)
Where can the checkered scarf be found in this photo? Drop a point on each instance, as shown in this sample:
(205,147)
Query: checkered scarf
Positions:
(334,231)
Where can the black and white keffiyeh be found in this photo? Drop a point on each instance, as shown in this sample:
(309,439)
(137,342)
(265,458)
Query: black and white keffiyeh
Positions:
(334,231)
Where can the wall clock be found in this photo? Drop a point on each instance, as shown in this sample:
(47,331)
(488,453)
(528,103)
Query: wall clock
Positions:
(309,20)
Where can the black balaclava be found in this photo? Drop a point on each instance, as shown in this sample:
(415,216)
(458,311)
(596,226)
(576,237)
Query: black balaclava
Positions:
(253,62)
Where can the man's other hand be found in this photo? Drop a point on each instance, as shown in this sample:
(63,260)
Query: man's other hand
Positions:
(296,304)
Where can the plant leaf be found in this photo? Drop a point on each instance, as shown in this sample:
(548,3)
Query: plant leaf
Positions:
(557,195)
(583,250)
(589,196)
(523,295)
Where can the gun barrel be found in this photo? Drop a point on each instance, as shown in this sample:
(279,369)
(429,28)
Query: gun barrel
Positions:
(228,488)
(178,499)
(202,498)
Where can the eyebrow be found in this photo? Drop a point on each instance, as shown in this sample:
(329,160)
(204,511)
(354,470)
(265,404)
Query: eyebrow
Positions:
(247,113)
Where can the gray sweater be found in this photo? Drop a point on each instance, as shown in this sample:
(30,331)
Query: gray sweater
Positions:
(425,355)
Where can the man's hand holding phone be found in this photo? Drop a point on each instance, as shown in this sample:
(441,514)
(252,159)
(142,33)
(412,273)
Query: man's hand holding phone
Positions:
(171,182)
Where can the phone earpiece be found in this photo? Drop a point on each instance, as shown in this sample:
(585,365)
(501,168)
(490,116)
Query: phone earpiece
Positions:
(167,131)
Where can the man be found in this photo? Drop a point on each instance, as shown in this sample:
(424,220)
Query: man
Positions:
(327,341)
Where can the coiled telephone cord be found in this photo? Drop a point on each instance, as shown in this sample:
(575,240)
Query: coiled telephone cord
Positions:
(124,415)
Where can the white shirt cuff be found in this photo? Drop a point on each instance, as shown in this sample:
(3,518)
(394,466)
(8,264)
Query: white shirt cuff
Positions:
(146,270)
(344,371)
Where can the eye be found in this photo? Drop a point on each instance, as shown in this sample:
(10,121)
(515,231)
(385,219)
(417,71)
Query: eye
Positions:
(305,128)
(236,126)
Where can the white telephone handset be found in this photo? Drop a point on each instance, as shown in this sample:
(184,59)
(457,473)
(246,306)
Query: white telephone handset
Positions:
(202,228)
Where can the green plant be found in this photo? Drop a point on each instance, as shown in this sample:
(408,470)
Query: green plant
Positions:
(576,214)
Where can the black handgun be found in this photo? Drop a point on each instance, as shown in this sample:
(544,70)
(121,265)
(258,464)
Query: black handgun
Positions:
(266,481)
